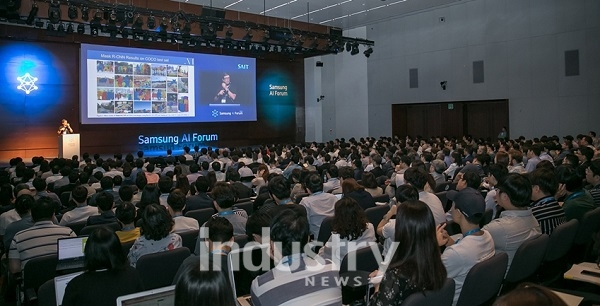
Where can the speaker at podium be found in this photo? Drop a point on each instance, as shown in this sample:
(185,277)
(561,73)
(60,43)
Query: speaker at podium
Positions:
(68,145)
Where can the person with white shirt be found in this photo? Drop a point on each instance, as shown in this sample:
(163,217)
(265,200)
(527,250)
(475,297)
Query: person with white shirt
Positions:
(476,245)
(176,201)
(417,177)
(82,211)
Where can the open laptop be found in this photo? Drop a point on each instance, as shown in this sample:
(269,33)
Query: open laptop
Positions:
(164,296)
(60,284)
(71,253)
(235,259)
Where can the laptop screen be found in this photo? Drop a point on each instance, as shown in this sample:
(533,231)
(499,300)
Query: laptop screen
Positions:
(60,284)
(71,247)
(164,296)
(238,257)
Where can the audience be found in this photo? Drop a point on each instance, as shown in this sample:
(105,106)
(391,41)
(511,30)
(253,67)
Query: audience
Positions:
(544,207)
(176,202)
(350,231)
(318,204)
(106,215)
(577,201)
(223,200)
(106,273)
(476,245)
(156,234)
(289,237)
(126,214)
(352,189)
(203,288)
(516,223)
(82,211)
(415,268)
(38,240)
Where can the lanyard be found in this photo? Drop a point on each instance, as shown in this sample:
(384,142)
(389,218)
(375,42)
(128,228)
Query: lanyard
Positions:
(574,195)
(225,213)
(471,232)
(283,202)
(288,260)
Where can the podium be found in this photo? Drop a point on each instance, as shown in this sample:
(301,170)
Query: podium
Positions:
(68,145)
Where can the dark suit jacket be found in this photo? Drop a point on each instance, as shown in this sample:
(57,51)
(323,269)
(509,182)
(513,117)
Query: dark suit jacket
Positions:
(198,201)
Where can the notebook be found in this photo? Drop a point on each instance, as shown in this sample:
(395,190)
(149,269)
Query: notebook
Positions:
(71,253)
(60,284)
(235,259)
(164,296)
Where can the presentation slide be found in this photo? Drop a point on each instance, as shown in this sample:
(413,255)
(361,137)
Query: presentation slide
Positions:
(130,85)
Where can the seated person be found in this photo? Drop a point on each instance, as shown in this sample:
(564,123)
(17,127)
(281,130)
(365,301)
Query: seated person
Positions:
(351,230)
(280,284)
(105,267)
(223,200)
(220,238)
(203,287)
(126,214)
(387,225)
(38,240)
(105,203)
(176,202)
(23,207)
(201,199)
(82,211)
(157,224)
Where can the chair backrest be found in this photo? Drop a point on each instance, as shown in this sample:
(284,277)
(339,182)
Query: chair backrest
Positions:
(483,281)
(527,258)
(444,199)
(127,246)
(384,198)
(77,226)
(202,215)
(47,294)
(325,229)
(488,215)
(590,224)
(64,198)
(365,260)
(39,270)
(247,206)
(375,214)
(442,297)
(561,240)
(113,227)
(158,269)
(188,238)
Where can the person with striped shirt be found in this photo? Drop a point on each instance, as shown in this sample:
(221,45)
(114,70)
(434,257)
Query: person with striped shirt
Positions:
(592,176)
(544,207)
(38,240)
(297,279)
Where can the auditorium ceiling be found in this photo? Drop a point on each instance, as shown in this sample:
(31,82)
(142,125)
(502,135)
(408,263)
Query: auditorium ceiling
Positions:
(345,14)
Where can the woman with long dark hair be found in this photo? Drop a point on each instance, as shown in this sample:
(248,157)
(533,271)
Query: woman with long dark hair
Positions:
(416,264)
(203,288)
(107,274)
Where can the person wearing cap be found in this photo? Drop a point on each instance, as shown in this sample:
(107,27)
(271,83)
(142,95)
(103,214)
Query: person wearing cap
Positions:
(476,244)
(516,223)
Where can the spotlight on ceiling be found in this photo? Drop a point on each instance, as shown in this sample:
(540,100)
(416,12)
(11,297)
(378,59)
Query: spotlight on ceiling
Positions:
(81,28)
(443,84)
(354,49)
(70,28)
(85,13)
(32,14)
(151,22)
(348,46)
(368,52)
(54,12)
(72,12)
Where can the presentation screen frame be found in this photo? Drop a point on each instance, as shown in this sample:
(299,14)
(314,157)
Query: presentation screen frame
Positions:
(126,85)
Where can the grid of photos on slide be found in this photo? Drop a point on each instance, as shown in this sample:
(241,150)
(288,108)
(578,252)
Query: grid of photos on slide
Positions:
(129,87)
